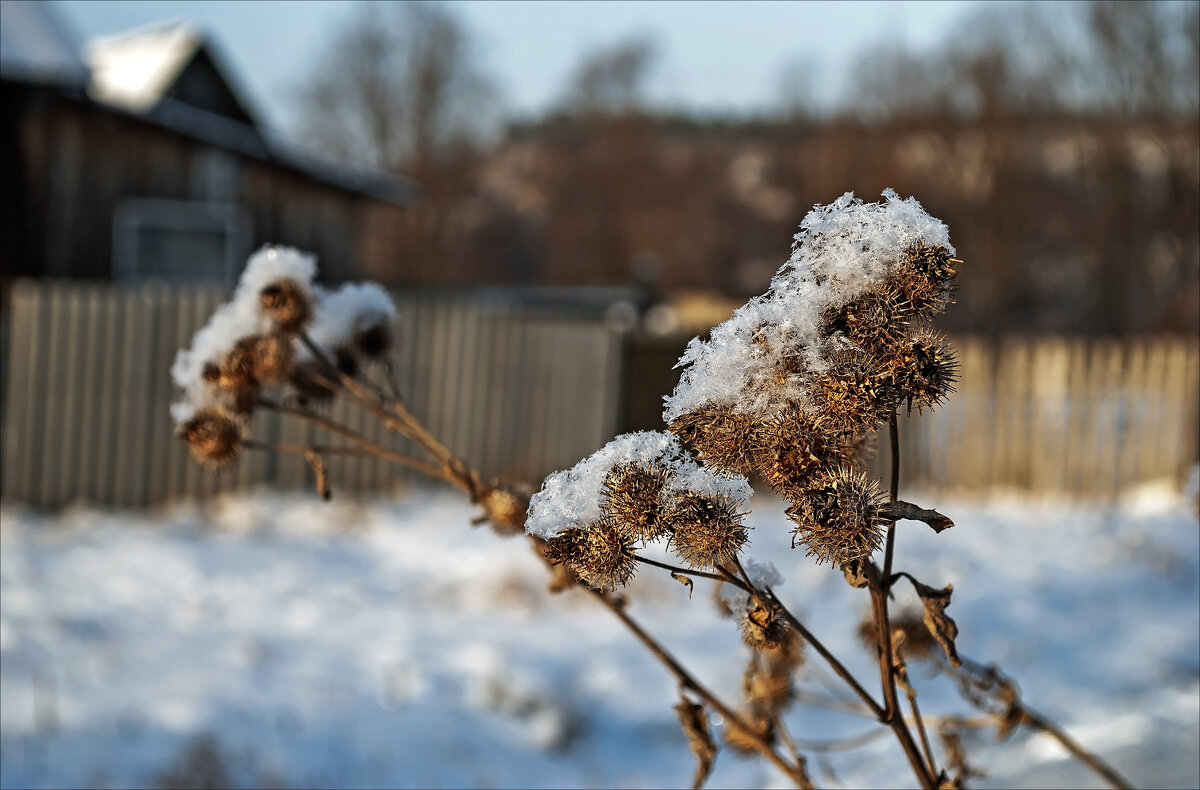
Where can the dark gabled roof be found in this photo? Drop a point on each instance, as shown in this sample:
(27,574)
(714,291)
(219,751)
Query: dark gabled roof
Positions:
(37,47)
(137,75)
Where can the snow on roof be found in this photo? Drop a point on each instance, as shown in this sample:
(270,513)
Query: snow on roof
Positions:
(135,69)
(36,45)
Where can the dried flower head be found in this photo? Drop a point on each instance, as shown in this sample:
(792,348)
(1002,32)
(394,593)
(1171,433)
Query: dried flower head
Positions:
(854,393)
(926,278)
(707,530)
(873,321)
(598,554)
(917,643)
(761,628)
(720,437)
(631,499)
(923,369)
(214,436)
(793,449)
(839,518)
(504,507)
(287,303)
(273,358)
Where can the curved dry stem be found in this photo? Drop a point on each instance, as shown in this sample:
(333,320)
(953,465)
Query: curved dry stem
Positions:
(793,772)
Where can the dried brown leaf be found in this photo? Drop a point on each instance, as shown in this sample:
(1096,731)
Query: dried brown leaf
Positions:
(695,726)
(941,625)
(686,581)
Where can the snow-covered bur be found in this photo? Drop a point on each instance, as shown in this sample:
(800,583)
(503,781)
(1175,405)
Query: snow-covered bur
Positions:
(638,488)
(793,384)
(246,344)
(353,323)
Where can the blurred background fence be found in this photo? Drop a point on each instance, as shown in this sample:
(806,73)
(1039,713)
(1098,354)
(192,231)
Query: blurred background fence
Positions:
(521,386)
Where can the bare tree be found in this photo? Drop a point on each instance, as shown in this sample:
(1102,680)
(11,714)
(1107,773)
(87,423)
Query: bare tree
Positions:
(398,89)
(612,80)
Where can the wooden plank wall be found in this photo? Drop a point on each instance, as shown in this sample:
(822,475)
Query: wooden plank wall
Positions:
(87,418)
(520,394)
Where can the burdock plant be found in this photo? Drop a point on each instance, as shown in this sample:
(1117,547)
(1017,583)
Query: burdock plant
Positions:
(792,390)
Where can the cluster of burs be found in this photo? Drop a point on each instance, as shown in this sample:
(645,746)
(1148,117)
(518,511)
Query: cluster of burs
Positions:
(791,390)
(280,329)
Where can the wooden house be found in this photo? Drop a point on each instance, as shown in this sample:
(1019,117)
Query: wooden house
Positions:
(136,159)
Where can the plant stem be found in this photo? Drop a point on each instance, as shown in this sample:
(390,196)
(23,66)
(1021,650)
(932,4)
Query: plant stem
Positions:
(684,571)
(1037,721)
(879,606)
(686,680)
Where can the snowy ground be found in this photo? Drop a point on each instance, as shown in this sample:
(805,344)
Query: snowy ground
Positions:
(276,640)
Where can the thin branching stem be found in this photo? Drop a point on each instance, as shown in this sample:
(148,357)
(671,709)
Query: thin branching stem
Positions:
(684,571)
(891,714)
(366,444)
(689,682)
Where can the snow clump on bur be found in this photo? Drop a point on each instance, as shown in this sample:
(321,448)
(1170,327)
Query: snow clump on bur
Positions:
(255,340)
(571,499)
(237,319)
(344,314)
(843,250)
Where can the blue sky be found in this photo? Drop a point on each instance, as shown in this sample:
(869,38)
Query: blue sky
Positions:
(713,56)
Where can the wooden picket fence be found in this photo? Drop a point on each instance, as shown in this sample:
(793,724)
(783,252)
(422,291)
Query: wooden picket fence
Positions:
(520,391)
(1083,417)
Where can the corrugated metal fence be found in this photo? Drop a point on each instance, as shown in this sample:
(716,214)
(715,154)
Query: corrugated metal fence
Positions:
(520,392)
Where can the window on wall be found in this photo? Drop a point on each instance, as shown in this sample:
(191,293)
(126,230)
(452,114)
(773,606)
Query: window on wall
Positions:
(178,240)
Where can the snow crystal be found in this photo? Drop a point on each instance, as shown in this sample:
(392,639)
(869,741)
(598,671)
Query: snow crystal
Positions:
(570,499)
(763,574)
(842,250)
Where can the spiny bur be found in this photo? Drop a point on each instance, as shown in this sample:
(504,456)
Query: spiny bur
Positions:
(839,518)
(853,393)
(923,369)
(723,439)
(598,554)
(214,436)
(793,449)
(286,303)
(631,499)
(707,531)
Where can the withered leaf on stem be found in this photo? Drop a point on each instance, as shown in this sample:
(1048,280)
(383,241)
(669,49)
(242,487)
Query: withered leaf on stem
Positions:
(695,727)
(686,581)
(941,625)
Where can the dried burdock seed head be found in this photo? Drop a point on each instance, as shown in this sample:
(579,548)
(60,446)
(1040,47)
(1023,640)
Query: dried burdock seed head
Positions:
(273,359)
(725,440)
(924,369)
(631,500)
(873,321)
(598,554)
(762,629)
(374,341)
(214,437)
(839,519)
(793,449)
(926,278)
(287,303)
(707,530)
(504,507)
(931,261)
(854,393)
